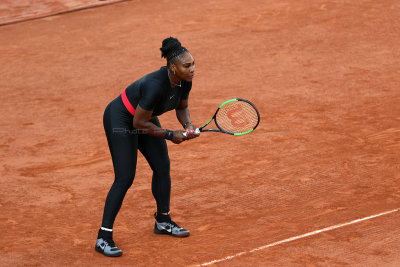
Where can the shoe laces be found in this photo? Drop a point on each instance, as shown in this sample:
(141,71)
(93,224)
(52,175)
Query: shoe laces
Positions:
(110,242)
(170,221)
(174,224)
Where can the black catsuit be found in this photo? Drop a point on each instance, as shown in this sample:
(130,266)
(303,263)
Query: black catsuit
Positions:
(152,92)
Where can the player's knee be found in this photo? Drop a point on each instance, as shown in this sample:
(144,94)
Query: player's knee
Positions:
(163,168)
(124,182)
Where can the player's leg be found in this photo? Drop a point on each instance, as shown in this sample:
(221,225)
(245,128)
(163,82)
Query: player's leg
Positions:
(155,150)
(122,142)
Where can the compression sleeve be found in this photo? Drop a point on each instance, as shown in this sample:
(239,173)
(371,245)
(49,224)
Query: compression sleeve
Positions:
(150,94)
(186,91)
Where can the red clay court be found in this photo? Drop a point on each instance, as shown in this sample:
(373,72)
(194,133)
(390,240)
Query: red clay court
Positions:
(317,183)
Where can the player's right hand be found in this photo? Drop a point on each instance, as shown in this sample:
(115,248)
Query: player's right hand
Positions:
(178,137)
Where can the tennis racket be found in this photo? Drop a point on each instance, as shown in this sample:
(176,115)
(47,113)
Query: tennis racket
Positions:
(236,117)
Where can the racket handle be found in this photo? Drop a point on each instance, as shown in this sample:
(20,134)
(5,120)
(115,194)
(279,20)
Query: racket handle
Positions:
(197,131)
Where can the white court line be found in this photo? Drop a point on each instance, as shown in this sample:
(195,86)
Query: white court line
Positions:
(300,236)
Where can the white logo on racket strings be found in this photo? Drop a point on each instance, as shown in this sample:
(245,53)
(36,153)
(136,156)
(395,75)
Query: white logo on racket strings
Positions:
(171,96)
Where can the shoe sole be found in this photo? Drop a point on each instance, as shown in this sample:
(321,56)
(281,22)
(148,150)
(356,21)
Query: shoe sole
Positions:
(158,232)
(111,255)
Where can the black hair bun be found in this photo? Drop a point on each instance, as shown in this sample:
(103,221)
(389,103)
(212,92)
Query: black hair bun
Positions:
(169,45)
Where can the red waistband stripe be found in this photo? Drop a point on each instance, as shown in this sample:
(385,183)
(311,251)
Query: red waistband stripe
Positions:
(127,104)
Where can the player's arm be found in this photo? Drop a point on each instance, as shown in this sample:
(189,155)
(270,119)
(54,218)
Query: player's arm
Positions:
(183,116)
(141,121)
(151,91)
(182,113)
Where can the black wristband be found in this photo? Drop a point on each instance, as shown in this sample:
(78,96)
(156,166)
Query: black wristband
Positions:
(169,135)
(188,122)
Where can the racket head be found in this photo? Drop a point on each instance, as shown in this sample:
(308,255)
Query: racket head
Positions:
(237,117)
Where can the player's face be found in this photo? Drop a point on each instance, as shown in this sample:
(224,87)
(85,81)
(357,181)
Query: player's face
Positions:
(185,67)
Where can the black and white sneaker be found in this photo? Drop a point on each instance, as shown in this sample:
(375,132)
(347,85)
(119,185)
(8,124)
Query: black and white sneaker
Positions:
(107,247)
(170,228)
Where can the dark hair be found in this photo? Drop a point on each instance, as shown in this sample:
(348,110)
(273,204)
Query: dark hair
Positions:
(171,49)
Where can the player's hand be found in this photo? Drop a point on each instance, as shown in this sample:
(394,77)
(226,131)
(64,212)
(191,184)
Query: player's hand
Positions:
(191,131)
(178,137)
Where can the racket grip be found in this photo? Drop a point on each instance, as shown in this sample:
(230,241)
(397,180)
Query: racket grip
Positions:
(197,131)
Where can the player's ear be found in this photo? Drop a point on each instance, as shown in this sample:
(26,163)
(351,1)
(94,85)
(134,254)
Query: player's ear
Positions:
(173,68)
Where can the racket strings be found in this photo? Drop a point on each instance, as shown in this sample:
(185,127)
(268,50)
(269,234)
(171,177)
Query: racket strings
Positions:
(237,117)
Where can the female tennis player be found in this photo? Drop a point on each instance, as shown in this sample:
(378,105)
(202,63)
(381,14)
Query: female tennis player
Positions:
(131,123)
